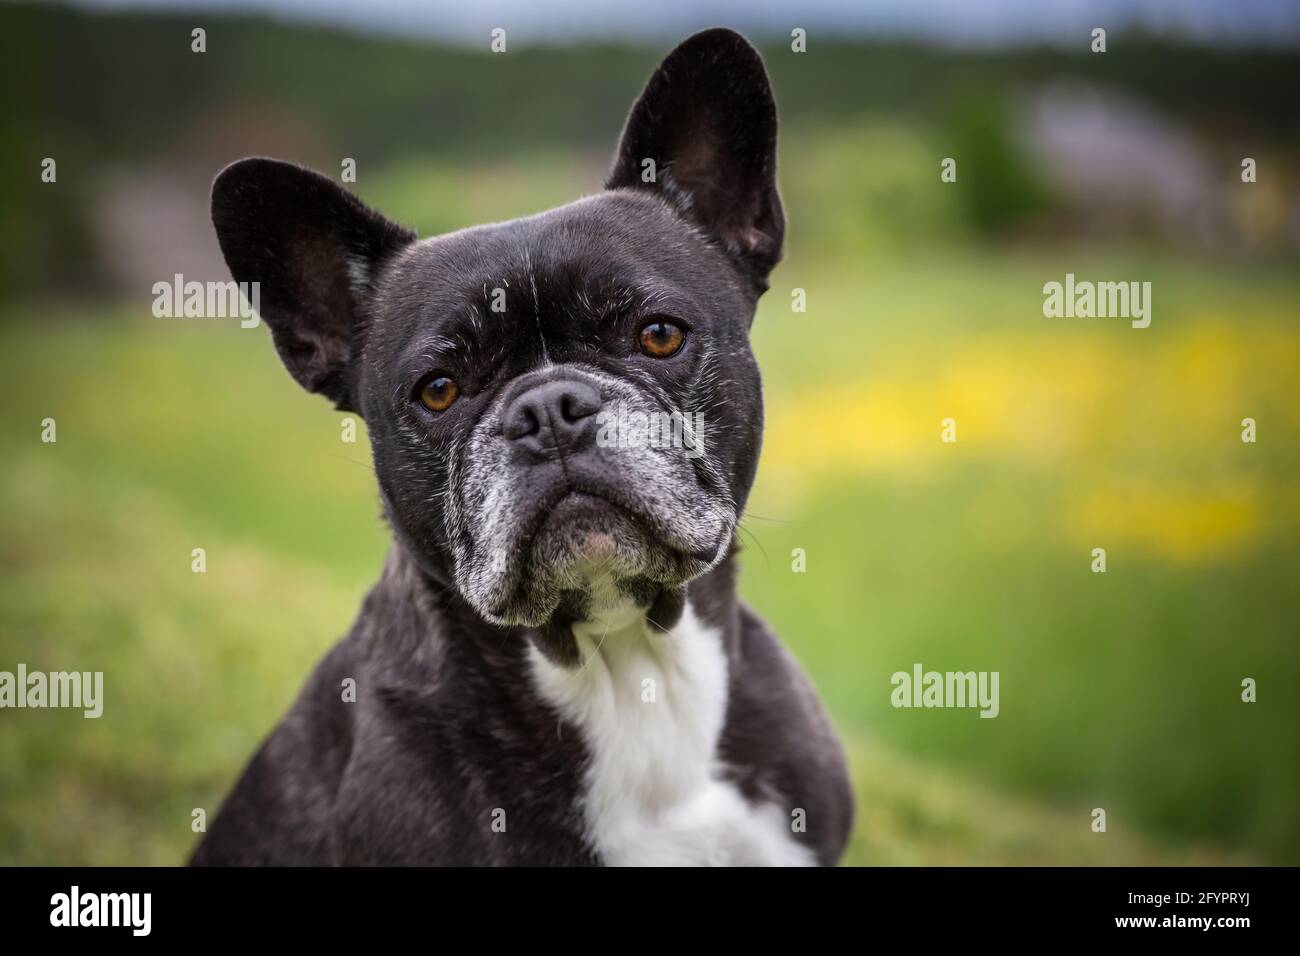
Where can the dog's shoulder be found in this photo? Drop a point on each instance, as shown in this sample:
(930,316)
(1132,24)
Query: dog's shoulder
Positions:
(279,812)
(779,741)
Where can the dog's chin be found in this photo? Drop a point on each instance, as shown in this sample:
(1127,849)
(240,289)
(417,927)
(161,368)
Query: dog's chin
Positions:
(587,556)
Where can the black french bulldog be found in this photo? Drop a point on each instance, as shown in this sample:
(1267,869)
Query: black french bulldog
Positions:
(554,667)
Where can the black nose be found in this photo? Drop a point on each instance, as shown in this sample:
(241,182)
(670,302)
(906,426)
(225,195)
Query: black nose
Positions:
(553,416)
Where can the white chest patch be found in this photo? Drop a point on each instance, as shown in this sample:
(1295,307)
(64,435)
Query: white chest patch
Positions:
(650,706)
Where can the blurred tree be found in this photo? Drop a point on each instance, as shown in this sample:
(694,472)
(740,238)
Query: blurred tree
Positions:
(999,188)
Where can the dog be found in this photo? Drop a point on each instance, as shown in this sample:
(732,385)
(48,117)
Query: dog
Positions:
(554,667)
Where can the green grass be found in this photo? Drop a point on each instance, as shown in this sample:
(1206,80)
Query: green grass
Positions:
(1119,690)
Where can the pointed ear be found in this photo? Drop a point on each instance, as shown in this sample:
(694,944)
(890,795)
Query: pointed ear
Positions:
(708,122)
(314,250)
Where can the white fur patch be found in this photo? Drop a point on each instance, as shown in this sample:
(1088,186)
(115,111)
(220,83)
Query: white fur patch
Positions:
(650,706)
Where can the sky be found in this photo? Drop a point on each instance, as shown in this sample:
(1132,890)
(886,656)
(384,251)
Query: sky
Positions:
(957,22)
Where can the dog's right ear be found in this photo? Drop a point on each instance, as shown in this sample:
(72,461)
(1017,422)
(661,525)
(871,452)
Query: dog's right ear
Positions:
(314,250)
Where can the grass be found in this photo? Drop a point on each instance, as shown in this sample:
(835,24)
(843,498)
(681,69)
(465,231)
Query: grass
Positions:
(1119,690)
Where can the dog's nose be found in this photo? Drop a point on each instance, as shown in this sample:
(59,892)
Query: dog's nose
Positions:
(558,415)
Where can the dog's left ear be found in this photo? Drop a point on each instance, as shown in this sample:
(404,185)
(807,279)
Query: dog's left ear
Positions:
(703,135)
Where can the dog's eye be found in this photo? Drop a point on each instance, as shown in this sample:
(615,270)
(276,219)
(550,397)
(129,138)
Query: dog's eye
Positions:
(661,339)
(438,393)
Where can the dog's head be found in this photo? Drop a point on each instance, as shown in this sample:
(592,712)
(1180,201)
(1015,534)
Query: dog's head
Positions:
(563,409)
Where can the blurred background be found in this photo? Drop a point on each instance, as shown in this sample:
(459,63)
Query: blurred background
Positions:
(924,302)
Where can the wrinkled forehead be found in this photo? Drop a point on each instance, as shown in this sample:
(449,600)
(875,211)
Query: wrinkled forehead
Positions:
(610,252)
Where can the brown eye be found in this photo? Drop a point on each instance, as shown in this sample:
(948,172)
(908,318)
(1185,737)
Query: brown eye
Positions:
(661,339)
(438,394)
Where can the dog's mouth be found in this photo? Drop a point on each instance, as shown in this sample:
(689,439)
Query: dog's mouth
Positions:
(582,533)
(605,512)
(586,527)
